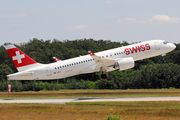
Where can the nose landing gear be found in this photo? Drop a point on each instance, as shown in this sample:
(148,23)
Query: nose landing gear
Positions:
(164,57)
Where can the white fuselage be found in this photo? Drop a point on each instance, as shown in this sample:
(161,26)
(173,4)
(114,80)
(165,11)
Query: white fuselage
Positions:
(79,65)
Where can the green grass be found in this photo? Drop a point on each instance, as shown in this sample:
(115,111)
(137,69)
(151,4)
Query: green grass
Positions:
(150,110)
(74,96)
(92,93)
(153,104)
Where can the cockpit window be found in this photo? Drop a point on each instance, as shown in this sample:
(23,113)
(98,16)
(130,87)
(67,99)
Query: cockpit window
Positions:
(165,42)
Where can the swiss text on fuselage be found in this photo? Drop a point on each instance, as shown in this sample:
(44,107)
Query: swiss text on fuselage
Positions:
(137,49)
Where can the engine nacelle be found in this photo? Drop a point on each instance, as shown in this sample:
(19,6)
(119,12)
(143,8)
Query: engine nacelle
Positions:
(124,64)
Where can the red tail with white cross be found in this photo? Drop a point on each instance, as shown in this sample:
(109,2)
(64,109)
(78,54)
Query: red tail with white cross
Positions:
(19,58)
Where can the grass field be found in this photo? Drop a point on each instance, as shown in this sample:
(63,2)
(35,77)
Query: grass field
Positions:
(92,111)
(168,110)
(93,93)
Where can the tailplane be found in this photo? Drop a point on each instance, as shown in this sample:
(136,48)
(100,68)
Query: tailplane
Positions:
(20,59)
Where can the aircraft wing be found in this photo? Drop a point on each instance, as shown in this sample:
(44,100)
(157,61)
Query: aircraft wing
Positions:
(101,63)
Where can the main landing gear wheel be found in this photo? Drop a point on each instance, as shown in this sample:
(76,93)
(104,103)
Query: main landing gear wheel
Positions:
(103,76)
(96,77)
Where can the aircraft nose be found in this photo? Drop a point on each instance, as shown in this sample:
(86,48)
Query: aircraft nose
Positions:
(172,46)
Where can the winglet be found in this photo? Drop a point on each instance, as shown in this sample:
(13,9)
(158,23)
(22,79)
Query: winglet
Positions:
(56,59)
(91,53)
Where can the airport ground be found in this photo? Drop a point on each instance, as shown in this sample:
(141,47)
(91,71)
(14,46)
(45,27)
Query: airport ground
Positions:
(132,110)
(93,93)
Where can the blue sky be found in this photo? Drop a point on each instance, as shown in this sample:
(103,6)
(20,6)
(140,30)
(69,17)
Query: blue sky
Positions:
(116,20)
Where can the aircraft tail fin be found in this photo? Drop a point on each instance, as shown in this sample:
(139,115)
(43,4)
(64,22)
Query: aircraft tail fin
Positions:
(20,59)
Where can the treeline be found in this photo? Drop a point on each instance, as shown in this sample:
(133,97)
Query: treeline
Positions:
(148,73)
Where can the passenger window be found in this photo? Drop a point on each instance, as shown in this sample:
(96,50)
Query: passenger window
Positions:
(65,65)
(55,67)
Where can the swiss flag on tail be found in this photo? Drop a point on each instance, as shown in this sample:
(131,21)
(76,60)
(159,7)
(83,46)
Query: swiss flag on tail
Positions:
(19,58)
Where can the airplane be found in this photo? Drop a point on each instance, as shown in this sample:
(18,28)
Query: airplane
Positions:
(121,58)
(56,59)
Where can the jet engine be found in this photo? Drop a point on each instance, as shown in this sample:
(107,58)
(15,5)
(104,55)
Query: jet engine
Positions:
(124,63)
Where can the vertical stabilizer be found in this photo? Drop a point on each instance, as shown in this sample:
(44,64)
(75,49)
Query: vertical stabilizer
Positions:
(20,59)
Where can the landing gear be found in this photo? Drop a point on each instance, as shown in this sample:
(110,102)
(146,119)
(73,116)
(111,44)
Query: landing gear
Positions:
(96,77)
(103,76)
(164,58)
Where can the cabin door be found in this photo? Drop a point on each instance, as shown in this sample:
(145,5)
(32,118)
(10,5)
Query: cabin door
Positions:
(48,71)
(157,46)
